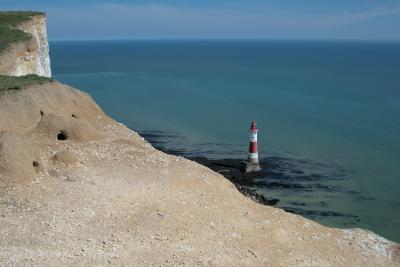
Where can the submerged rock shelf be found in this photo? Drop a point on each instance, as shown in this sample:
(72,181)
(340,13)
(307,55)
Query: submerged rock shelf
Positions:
(283,176)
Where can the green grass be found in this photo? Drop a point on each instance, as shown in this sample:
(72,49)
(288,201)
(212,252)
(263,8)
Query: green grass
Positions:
(17,83)
(8,21)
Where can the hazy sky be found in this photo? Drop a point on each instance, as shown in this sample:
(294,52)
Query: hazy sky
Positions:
(274,19)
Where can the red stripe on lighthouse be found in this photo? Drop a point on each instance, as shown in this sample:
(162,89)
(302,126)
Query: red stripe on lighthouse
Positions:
(253,147)
(253,126)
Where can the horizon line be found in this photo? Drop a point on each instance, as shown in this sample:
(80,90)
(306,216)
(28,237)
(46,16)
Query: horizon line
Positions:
(223,39)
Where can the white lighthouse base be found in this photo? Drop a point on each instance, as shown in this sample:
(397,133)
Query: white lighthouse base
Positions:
(251,167)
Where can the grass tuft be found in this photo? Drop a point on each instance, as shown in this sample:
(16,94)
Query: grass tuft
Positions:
(18,83)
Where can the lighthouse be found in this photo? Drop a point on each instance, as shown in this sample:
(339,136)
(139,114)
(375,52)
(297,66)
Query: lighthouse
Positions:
(253,150)
(252,164)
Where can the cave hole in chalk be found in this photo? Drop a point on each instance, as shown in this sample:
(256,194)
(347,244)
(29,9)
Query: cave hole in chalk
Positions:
(62,136)
(74,116)
(35,164)
(41,113)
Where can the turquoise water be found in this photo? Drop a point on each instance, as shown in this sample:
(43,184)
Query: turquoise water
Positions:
(334,104)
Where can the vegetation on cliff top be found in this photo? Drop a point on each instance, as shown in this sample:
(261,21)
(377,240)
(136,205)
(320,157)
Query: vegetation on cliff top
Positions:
(15,83)
(8,33)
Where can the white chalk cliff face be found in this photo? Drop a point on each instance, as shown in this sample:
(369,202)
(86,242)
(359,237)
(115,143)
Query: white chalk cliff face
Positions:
(30,57)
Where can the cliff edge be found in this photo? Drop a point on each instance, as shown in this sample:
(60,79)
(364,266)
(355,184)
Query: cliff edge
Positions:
(77,188)
(24,48)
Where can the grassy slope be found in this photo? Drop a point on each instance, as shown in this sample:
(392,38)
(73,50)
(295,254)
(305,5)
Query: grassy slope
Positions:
(8,21)
(14,83)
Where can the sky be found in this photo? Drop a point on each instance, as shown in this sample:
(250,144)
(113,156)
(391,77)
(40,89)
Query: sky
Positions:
(265,19)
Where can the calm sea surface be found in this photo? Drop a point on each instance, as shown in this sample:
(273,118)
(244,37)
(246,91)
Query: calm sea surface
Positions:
(328,113)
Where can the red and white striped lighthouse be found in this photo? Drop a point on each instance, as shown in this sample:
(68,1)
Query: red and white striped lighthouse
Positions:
(253,150)
(252,163)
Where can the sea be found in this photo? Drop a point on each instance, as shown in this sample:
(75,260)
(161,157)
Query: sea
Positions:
(328,113)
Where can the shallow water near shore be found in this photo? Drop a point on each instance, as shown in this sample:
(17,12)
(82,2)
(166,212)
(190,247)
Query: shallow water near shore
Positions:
(328,114)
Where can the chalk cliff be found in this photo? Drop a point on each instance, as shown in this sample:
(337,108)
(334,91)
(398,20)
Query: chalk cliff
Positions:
(28,57)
